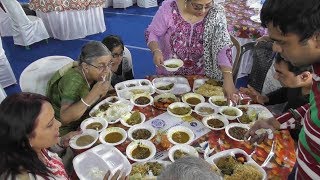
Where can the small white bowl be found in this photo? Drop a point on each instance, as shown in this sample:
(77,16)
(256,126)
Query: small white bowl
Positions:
(217,98)
(237,110)
(86,122)
(175,129)
(111,130)
(144,143)
(141,126)
(215,116)
(112,99)
(164,96)
(127,116)
(228,127)
(184,148)
(177,62)
(90,132)
(178,104)
(204,105)
(157,85)
(185,97)
(133,98)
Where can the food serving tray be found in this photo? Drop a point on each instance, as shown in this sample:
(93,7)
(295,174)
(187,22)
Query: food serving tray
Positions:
(261,111)
(234,152)
(127,89)
(94,163)
(181,84)
(198,82)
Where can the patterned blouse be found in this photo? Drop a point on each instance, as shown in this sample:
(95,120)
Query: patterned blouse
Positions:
(180,39)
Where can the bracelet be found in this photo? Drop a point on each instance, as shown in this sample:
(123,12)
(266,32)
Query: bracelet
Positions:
(227,72)
(156,50)
(85,103)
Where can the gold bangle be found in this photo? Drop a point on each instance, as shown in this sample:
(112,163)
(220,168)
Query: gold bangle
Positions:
(227,72)
(156,50)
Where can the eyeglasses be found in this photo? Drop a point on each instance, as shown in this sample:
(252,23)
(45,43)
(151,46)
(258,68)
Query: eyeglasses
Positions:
(200,7)
(102,67)
(115,55)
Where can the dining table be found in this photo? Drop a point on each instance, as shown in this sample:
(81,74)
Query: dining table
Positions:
(282,145)
(244,28)
(67,20)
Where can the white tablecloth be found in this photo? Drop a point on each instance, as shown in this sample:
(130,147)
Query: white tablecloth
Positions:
(7,77)
(73,24)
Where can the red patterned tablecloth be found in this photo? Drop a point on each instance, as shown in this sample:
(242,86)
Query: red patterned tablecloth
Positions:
(64,5)
(239,22)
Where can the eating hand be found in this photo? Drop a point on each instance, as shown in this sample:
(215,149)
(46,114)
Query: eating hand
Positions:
(115,176)
(265,124)
(254,95)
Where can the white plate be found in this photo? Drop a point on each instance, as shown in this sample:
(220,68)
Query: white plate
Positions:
(215,116)
(181,84)
(206,105)
(133,98)
(185,97)
(198,82)
(128,115)
(215,98)
(90,120)
(160,84)
(228,127)
(238,111)
(94,163)
(141,126)
(178,104)
(177,62)
(213,159)
(90,132)
(127,89)
(175,129)
(144,143)
(111,130)
(115,111)
(184,148)
(112,99)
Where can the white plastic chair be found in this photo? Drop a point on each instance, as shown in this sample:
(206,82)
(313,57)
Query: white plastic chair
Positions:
(5,24)
(108,3)
(122,3)
(147,3)
(26,29)
(2,94)
(35,77)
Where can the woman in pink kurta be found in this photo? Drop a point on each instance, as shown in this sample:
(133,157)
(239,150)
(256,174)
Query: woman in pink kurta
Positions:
(194,31)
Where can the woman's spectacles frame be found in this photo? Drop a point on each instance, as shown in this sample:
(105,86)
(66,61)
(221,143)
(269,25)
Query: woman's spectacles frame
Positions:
(200,7)
(102,67)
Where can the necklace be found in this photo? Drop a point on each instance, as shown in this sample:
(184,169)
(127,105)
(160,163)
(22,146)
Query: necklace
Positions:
(84,75)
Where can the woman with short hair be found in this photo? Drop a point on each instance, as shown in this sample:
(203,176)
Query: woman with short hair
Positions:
(77,86)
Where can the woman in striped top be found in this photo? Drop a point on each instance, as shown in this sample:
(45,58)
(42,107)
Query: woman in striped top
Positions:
(294,26)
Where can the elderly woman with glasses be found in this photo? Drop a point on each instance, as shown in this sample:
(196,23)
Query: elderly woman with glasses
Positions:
(76,87)
(194,31)
(122,68)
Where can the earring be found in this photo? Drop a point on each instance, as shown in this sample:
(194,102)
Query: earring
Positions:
(185,3)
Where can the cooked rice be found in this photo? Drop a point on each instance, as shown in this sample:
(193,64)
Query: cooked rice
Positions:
(209,90)
(245,171)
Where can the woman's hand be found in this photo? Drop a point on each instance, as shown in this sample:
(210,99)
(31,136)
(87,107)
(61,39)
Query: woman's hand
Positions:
(254,95)
(101,88)
(64,140)
(115,176)
(230,91)
(158,58)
